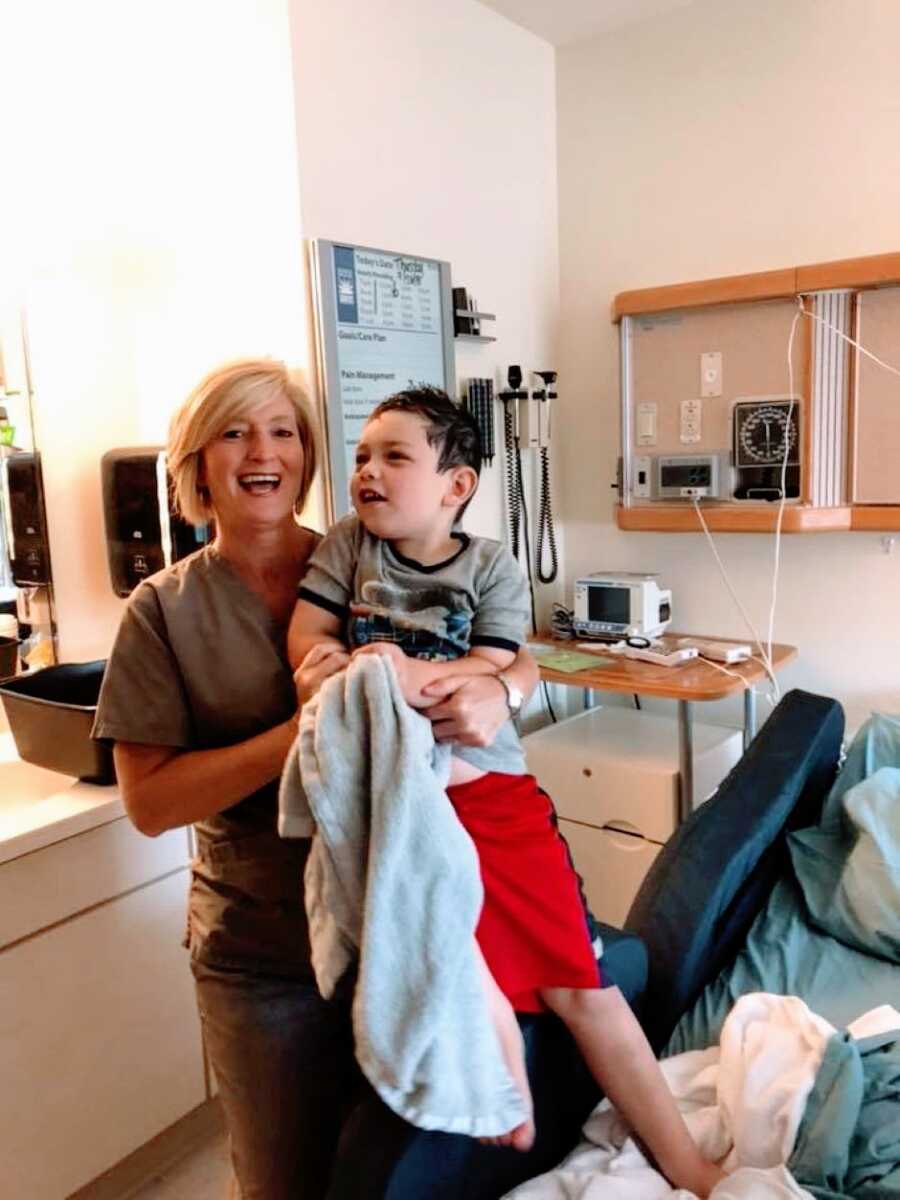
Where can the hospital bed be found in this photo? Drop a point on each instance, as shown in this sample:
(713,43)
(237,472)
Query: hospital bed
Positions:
(683,957)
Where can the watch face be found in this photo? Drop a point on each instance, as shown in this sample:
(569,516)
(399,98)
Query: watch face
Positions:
(760,430)
(514,696)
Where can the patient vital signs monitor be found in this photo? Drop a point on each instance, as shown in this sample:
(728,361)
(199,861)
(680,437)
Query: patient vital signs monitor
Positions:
(384,323)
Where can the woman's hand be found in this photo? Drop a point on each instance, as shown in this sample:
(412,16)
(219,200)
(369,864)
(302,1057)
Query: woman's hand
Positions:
(323,660)
(469,709)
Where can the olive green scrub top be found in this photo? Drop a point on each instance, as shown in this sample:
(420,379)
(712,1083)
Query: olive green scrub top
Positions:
(199,662)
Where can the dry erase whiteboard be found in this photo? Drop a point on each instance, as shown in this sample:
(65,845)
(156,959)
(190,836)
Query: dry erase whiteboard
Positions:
(384,323)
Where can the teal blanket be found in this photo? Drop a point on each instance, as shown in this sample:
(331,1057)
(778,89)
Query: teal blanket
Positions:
(830,934)
(848,1143)
(785,955)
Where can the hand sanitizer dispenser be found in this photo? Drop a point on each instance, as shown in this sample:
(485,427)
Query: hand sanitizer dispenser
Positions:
(29,549)
(143,531)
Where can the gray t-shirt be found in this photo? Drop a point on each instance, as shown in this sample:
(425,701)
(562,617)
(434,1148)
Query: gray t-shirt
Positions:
(477,597)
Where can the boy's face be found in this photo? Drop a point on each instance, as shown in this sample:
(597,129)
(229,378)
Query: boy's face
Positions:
(396,488)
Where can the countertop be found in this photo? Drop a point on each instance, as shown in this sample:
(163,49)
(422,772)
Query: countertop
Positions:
(38,807)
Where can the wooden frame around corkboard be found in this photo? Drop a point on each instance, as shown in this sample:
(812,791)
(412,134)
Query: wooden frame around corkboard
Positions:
(857,274)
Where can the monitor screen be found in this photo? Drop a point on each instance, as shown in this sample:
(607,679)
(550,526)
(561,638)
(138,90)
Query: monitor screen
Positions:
(612,604)
(685,475)
(385,323)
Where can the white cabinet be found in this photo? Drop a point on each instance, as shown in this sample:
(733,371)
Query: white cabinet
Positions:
(100,1046)
(612,865)
(613,775)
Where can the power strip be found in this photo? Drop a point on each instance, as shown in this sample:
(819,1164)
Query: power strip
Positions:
(724,652)
(662,658)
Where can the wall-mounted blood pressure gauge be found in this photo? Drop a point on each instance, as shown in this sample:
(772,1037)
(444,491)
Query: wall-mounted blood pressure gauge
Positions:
(763,429)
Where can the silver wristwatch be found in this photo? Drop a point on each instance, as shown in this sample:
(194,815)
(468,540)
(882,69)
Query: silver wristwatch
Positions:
(515,697)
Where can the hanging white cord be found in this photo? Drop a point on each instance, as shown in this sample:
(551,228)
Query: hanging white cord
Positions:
(764,657)
(849,340)
(776,564)
(770,696)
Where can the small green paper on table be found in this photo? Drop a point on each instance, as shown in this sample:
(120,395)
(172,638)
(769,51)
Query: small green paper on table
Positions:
(567,661)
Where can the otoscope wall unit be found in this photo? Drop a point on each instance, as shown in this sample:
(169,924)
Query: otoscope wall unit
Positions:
(759,395)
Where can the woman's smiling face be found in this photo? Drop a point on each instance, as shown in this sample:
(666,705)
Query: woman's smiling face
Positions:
(253,469)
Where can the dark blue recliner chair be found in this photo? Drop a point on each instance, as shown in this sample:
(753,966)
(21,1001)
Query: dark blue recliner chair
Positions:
(687,922)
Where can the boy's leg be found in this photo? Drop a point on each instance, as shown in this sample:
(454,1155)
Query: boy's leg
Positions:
(619,1057)
(522,1137)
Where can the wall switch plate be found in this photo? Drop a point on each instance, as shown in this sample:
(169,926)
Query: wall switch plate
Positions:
(691,415)
(711,373)
(646,424)
(640,468)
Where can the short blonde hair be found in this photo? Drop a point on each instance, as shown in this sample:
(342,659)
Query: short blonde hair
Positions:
(226,394)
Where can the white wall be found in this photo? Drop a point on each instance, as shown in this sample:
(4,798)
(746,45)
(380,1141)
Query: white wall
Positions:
(431,128)
(722,138)
(161,228)
(158,234)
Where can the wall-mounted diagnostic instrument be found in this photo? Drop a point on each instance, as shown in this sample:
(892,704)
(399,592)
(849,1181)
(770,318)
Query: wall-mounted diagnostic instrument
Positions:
(690,476)
(526,422)
(384,322)
(765,433)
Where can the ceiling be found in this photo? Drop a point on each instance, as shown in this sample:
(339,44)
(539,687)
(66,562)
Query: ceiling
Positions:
(563,21)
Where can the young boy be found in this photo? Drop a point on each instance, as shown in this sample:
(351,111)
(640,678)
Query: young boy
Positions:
(400,580)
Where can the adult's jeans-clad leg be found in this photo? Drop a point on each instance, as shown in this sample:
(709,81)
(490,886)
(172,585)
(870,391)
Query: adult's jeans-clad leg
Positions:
(283,1060)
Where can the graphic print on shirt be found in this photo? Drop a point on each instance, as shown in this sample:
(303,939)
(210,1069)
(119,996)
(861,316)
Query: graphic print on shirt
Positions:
(432,622)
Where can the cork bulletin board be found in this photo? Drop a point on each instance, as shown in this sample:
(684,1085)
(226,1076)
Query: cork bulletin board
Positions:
(875,455)
(665,364)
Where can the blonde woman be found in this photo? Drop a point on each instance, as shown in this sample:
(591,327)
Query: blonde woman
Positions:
(200,702)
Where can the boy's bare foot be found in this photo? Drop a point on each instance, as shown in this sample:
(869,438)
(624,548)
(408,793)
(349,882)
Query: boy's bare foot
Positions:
(520,1138)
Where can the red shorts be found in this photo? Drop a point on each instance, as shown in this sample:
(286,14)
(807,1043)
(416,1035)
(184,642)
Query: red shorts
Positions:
(533,930)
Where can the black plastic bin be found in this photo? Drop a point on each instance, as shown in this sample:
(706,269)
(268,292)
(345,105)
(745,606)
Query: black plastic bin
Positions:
(9,656)
(50,714)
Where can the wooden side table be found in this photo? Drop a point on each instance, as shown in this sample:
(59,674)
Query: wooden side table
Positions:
(698,679)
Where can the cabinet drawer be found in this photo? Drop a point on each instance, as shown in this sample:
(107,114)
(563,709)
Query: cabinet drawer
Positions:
(613,765)
(610,764)
(612,865)
(48,885)
(100,1046)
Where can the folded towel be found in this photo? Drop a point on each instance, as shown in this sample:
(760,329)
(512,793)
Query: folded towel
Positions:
(393,877)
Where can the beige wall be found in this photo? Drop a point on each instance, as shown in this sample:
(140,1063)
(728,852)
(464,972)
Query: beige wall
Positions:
(159,233)
(722,138)
(431,127)
(162,227)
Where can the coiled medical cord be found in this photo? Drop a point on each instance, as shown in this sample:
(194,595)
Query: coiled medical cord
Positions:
(513,479)
(522,507)
(526,537)
(561,621)
(545,523)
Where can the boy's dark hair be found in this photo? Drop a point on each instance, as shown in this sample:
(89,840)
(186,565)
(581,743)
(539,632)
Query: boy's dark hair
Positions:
(449,427)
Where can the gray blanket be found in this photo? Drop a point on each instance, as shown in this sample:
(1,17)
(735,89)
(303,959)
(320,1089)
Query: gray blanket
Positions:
(393,878)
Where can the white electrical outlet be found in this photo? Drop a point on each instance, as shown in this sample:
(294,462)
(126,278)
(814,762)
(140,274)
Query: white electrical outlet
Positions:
(646,424)
(640,487)
(711,373)
(691,415)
